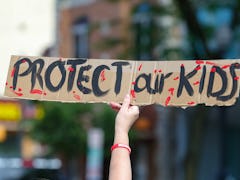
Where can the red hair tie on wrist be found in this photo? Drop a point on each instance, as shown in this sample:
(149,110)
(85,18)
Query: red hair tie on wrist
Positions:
(124,146)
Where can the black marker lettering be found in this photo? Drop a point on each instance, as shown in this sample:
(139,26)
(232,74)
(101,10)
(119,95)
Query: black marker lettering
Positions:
(72,74)
(223,76)
(234,83)
(82,78)
(202,80)
(49,85)
(119,75)
(183,82)
(95,81)
(16,70)
(162,80)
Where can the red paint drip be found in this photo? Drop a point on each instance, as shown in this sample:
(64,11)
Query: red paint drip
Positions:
(133,93)
(236,78)
(210,63)
(133,83)
(6,83)
(36,91)
(11,87)
(140,67)
(198,68)
(159,70)
(213,69)
(176,78)
(71,69)
(102,75)
(226,66)
(199,62)
(19,89)
(13,72)
(191,103)
(77,97)
(171,90)
(155,70)
(18,94)
(196,83)
(167,100)
(44,94)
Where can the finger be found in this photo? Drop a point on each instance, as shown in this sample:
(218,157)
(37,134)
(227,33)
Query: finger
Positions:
(126,102)
(115,106)
(134,109)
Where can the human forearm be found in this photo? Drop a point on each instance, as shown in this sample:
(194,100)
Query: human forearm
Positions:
(120,166)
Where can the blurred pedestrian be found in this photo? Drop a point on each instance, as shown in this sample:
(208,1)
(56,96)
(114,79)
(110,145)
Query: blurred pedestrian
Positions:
(120,165)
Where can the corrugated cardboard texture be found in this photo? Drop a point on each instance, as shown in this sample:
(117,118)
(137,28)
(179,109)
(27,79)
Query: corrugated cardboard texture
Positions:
(168,83)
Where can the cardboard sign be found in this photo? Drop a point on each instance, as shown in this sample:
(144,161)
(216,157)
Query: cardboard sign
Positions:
(168,83)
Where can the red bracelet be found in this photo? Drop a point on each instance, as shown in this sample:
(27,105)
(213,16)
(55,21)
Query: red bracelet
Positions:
(121,146)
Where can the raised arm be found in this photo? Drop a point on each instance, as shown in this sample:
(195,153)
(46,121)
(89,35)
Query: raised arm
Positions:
(120,165)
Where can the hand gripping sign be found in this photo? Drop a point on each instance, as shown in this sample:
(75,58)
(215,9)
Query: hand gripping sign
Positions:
(168,83)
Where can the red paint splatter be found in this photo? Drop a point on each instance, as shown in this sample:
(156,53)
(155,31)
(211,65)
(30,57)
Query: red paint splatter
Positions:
(196,83)
(36,91)
(18,94)
(71,69)
(171,90)
(13,72)
(155,70)
(225,66)
(44,94)
(102,75)
(23,61)
(133,83)
(19,89)
(176,78)
(236,78)
(140,67)
(77,97)
(11,87)
(182,65)
(199,62)
(6,83)
(210,63)
(159,70)
(213,69)
(133,93)
(167,100)
(191,103)
(198,68)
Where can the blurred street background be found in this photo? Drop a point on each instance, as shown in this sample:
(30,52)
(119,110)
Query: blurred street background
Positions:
(60,141)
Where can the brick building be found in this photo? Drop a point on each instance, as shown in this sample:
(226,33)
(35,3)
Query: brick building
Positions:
(95,30)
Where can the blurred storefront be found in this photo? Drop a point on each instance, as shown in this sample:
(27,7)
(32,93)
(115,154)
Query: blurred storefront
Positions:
(20,156)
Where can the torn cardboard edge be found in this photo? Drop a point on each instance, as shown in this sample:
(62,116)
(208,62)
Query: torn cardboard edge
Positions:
(168,83)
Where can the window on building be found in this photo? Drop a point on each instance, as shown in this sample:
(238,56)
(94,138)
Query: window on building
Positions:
(143,27)
(80,31)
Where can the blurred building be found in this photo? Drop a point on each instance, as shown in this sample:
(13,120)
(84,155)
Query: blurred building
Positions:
(27,28)
(102,29)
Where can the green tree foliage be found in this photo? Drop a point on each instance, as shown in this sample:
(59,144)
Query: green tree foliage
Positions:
(62,127)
